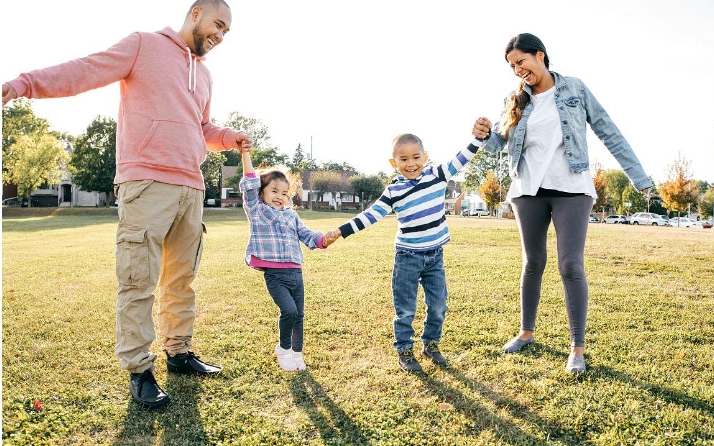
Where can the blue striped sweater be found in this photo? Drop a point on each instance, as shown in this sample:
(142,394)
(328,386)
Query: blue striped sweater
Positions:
(419,205)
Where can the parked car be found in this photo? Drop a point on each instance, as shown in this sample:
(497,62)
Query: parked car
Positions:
(594,219)
(648,218)
(474,212)
(11,202)
(615,219)
(681,222)
(703,224)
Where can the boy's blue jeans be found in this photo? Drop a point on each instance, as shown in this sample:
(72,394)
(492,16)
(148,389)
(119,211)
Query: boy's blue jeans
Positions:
(410,269)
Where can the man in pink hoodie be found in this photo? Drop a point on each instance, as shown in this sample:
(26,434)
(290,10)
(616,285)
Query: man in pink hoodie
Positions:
(163,132)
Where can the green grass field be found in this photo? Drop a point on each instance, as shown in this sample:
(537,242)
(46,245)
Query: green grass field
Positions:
(650,343)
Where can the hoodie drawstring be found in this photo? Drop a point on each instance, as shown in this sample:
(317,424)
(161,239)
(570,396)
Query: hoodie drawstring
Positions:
(191,72)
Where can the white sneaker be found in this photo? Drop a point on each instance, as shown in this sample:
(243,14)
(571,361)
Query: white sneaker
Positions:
(299,361)
(285,359)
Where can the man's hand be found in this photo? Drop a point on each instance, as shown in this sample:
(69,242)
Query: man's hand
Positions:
(243,139)
(8,93)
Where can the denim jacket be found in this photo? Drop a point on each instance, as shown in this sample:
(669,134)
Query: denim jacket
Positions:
(576,107)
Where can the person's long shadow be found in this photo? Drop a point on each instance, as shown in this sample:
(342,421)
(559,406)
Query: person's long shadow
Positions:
(333,424)
(670,395)
(182,423)
(140,425)
(481,416)
(179,423)
(555,430)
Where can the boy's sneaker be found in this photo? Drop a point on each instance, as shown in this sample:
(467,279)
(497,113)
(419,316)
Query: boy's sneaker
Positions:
(285,359)
(408,362)
(299,361)
(431,351)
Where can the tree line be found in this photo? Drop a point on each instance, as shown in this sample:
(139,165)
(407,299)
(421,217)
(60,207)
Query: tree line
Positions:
(679,193)
(34,156)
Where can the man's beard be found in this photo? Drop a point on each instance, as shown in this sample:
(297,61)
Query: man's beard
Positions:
(198,41)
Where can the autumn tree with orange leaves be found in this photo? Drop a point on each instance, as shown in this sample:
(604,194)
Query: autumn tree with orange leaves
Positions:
(679,191)
(600,180)
(490,190)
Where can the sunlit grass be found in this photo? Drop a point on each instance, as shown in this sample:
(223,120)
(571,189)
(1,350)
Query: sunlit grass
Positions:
(649,344)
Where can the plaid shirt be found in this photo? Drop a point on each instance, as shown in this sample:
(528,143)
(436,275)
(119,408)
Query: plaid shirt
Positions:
(275,234)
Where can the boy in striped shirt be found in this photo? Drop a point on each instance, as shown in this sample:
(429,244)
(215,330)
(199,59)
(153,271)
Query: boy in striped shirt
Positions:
(417,196)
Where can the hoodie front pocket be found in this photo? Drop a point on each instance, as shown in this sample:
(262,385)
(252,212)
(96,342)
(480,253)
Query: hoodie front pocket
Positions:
(173,144)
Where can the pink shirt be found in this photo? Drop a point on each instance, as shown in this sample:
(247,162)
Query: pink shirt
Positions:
(163,126)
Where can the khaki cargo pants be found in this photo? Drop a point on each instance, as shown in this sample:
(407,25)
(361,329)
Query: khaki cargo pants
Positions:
(159,243)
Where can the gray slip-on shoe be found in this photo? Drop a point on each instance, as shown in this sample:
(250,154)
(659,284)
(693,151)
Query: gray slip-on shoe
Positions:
(516,344)
(575,364)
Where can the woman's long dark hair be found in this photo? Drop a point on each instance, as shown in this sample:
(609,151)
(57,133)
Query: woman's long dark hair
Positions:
(528,43)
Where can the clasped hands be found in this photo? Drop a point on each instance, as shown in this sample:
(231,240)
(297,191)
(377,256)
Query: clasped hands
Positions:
(331,237)
(244,141)
(481,129)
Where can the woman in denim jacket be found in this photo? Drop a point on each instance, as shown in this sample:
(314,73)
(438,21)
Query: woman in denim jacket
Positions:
(544,125)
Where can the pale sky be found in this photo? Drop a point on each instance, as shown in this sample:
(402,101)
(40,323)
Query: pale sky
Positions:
(353,75)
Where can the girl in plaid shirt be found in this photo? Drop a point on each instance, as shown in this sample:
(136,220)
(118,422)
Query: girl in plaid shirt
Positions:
(274,248)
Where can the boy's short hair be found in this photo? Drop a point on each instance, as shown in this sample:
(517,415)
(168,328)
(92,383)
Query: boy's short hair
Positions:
(406,138)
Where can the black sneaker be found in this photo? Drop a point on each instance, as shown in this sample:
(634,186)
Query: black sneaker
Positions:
(431,351)
(408,362)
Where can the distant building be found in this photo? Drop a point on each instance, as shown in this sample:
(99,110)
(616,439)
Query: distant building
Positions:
(65,194)
(313,199)
(454,196)
(230,197)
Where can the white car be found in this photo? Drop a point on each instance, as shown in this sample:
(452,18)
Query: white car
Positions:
(682,222)
(615,219)
(648,218)
(474,212)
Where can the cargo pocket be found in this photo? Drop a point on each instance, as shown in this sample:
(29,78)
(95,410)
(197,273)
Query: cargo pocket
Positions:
(199,252)
(132,257)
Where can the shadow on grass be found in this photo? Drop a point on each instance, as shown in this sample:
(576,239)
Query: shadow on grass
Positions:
(178,424)
(553,430)
(333,424)
(481,417)
(672,396)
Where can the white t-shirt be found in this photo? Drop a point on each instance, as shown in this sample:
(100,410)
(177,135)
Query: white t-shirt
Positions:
(543,161)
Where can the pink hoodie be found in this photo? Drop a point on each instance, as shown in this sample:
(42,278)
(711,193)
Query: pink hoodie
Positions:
(164,125)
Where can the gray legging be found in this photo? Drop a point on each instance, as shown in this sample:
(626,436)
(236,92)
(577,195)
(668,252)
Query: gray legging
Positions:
(570,217)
